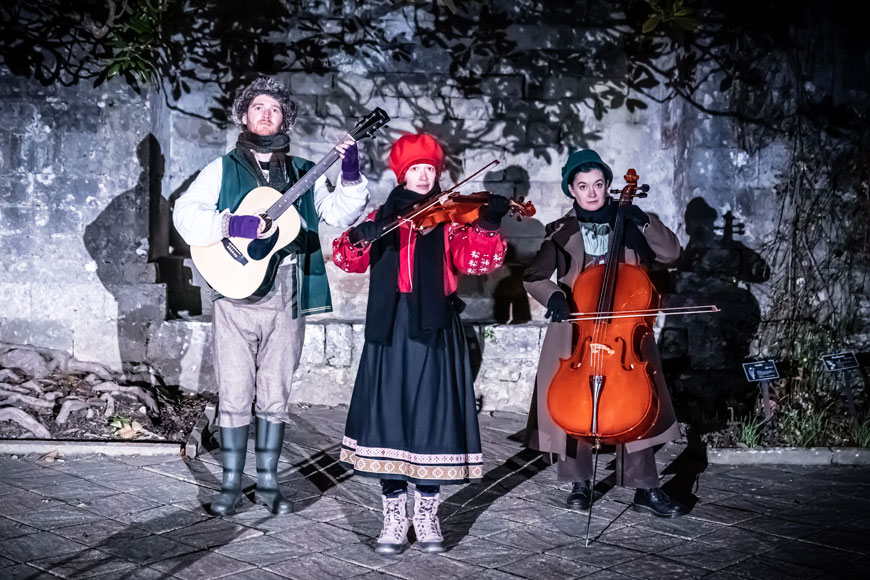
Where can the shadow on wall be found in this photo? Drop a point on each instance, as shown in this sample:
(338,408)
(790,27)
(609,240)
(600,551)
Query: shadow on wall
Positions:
(702,354)
(509,301)
(129,242)
(118,240)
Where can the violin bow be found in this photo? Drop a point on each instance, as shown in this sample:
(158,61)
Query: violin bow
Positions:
(440,197)
(675,310)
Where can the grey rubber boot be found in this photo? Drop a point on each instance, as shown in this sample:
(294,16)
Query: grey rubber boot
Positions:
(234,445)
(270,440)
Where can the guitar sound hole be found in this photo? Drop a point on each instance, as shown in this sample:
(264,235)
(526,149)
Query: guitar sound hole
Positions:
(259,249)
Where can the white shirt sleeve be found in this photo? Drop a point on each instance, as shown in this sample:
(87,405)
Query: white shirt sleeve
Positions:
(342,206)
(195,214)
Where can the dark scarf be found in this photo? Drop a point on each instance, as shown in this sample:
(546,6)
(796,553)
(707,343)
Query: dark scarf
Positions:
(633,236)
(429,310)
(277,145)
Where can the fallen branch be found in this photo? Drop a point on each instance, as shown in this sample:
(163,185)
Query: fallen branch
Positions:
(68,407)
(110,404)
(76,366)
(27,400)
(6,389)
(137,392)
(26,421)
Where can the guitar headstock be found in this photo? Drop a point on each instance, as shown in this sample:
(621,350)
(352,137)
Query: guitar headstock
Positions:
(369,125)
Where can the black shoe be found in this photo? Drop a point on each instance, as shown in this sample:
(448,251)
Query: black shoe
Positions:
(580,497)
(657,502)
(234,445)
(270,441)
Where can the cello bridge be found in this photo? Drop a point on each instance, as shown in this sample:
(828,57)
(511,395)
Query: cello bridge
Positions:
(598,347)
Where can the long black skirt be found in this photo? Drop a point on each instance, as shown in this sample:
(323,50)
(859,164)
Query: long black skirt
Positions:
(412,414)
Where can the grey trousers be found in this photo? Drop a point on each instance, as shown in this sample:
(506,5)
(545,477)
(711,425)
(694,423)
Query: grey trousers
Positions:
(636,469)
(257,348)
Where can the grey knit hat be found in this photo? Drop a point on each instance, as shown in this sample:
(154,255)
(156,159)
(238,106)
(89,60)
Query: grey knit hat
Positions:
(265,86)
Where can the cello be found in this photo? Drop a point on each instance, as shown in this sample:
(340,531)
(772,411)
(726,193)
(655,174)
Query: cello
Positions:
(605,390)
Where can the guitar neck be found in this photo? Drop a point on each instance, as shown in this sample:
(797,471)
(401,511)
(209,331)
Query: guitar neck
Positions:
(301,186)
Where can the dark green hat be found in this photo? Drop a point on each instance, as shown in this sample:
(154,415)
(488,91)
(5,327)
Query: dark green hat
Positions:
(578,158)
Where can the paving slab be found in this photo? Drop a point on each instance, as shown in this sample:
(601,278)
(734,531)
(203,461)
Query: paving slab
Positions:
(103,516)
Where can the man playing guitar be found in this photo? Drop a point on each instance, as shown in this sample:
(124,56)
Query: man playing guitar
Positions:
(258,340)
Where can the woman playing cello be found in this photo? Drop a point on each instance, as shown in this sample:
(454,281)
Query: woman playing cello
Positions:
(574,243)
(412,415)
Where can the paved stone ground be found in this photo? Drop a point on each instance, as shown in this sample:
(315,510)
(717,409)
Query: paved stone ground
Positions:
(142,518)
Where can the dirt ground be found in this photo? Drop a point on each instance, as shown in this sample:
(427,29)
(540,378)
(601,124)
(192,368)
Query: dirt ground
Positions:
(145,412)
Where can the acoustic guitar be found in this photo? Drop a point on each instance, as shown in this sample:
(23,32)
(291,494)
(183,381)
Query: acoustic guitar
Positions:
(238,267)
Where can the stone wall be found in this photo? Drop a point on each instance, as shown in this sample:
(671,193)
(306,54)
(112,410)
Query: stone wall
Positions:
(91,265)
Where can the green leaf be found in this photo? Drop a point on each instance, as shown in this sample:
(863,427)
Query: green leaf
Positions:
(651,23)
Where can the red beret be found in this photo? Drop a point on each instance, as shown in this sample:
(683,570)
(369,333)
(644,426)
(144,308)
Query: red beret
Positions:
(413,149)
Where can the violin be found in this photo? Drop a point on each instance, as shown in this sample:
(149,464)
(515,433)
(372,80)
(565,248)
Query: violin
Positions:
(606,390)
(451,206)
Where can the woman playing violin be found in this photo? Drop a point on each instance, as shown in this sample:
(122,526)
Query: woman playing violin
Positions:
(412,414)
(575,242)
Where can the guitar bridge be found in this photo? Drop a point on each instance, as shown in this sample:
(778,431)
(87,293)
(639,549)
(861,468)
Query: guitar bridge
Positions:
(234,252)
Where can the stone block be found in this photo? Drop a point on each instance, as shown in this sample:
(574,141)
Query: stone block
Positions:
(308,83)
(97,340)
(44,333)
(479,109)
(506,384)
(19,115)
(198,131)
(349,110)
(322,385)
(540,133)
(850,456)
(16,221)
(54,222)
(512,341)
(339,344)
(8,152)
(773,165)
(68,302)
(770,456)
(313,350)
(183,353)
(358,86)
(502,86)
(16,299)
(18,261)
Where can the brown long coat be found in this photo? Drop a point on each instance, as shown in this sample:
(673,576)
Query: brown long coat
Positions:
(563,252)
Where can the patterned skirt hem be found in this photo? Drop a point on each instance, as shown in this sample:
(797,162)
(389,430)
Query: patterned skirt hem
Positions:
(389,468)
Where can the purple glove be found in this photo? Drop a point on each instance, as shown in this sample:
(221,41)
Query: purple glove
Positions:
(243,226)
(350,165)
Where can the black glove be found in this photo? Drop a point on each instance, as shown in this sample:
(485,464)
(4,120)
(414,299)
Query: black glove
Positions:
(557,307)
(491,214)
(637,216)
(364,232)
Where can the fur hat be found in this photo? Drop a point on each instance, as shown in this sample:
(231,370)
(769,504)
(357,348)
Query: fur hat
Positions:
(583,157)
(413,149)
(265,86)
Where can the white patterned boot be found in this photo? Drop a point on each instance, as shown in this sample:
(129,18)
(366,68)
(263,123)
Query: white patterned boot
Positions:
(426,524)
(394,535)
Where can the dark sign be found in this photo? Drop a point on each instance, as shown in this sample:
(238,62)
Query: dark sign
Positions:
(840,361)
(764,370)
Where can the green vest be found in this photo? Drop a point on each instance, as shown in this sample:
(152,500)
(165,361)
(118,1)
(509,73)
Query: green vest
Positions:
(312,286)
